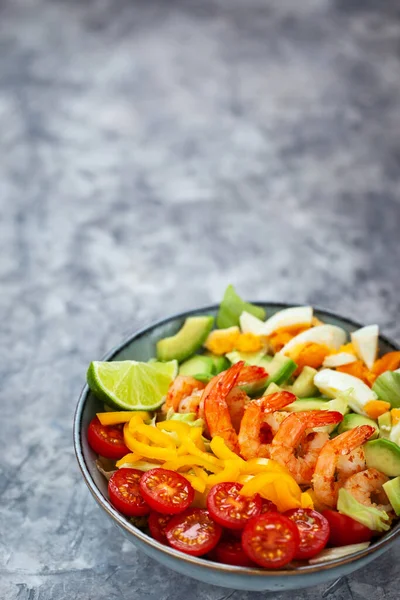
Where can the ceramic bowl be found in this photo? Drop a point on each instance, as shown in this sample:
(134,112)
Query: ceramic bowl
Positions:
(141,346)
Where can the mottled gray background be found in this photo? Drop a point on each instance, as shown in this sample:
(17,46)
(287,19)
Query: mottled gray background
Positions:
(150,153)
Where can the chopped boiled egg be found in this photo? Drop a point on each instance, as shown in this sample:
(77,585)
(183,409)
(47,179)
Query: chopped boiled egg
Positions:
(365,342)
(332,383)
(250,324)
(289,317)
(328,335)
(221,341)
(338,359)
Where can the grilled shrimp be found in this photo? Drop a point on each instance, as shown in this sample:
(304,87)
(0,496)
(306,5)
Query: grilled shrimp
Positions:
(223,408)
(250,442)
(298,452)
(366,488)
(182,387)
(325,483)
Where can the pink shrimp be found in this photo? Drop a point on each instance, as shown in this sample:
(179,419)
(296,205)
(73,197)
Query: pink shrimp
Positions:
(291,446)
(182,387)
(325,484)
(216,410)
(250,434)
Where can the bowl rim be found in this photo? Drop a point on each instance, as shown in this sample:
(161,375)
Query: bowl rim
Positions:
(201,562)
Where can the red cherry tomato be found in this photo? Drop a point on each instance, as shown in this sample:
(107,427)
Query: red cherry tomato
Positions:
(157,525)
(268,506)
(106,440)
(271,540)
(193,532)
(166,492)
(230,552)
(313,530)
(345,530)
(124,492)
(229,508)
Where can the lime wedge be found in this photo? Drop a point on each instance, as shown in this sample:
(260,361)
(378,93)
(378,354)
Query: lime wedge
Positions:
(131,385)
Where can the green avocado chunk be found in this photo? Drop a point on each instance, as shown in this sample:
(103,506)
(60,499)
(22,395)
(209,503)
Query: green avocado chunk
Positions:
(303,386)
(220,362)
(385,425)
(280,369)
(384,456)
(387,387)
(187,340)
(260,359)
(353,420)
(232,307)
(392,489)
(197,364)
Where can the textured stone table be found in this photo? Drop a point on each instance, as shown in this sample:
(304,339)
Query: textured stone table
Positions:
(150,153)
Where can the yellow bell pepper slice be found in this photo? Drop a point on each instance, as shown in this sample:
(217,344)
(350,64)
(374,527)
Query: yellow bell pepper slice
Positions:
(191,448)
(128,458)
(145,450)
(263,465)
(243,478)
(155,435)
(222,451)
(195,435)
(280,488)
(199,472)
(184,461)
(306,500)
(197,484)
(230,472)
(123,416)
(182,429)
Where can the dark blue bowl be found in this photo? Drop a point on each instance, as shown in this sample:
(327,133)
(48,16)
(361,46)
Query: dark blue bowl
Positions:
(141,346)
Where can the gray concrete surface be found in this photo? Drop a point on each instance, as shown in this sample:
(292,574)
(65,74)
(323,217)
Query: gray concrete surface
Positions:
(150,153)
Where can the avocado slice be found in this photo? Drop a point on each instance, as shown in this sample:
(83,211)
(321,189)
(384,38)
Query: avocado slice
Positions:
(272,389)
(303,386)
(392,489)
(221,363)
(387,387)
(385,425)
(307,404)
(232,307)
(197,364)
(187,340)
(384,456)
(280,369)
(260,359)
(353,420)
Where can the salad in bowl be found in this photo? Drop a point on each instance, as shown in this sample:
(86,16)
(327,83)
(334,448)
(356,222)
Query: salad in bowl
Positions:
(265,442)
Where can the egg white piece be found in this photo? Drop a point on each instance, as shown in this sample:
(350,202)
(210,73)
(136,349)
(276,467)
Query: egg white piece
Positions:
(339,359)
(329,335)
(331,383)
(250,324)
(365,342)
(288,317)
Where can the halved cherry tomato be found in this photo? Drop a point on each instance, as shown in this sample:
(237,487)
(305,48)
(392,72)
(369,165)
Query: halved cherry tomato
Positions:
(229,508)
(345,530)
(271,540)
(157,524)
(166,492)
(313,530)
(193,532)
(124,492)
(231,552)
(106,440)
(268,506)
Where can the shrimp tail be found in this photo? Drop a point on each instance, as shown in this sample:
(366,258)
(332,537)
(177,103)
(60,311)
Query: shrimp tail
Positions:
(250,373)
(277,400)
(323,417)
(348,440)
